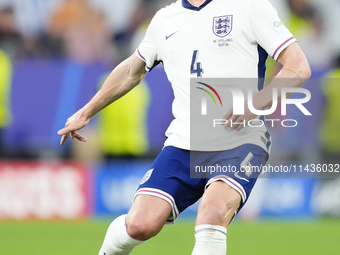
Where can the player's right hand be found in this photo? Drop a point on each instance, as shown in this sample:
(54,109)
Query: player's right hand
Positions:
(74,123)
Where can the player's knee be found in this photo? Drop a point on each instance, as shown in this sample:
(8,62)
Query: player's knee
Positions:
(234,201)
(140,229)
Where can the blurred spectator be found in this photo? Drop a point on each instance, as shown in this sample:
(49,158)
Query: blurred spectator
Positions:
(31,16)
(5,87)
(312,23)
(316,44)
(123,14)
(308,23)
(7,22)
(122,126)
(138,26)
(329,11)
(295,15)
(10,39)
(129,38)
(330,123)
(84,32)
(118,13)
(29,20)
(299,17)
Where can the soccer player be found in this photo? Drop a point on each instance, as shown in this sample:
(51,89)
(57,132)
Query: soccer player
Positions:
(198,38)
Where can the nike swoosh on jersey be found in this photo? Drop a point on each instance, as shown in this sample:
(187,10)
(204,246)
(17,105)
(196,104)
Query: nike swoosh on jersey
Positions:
(239,177)
(168,36)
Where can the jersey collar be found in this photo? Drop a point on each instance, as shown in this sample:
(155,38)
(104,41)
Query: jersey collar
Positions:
(189,6)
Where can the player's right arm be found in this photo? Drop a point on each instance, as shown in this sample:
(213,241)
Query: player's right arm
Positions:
(122,79)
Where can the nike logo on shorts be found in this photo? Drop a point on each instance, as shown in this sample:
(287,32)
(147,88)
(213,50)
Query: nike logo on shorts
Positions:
(239,177)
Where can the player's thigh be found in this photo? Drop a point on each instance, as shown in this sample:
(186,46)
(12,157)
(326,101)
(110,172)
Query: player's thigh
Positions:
(218,205)
(147,216)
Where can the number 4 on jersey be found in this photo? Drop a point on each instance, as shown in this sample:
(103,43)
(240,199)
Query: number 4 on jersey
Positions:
(196,67)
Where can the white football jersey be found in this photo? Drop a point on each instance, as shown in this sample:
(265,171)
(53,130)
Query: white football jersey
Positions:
(220,39)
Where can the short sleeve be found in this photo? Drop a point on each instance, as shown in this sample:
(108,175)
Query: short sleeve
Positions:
(147,50)
(268,30)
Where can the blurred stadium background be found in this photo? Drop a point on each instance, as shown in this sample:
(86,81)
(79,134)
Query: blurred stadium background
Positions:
(54,55)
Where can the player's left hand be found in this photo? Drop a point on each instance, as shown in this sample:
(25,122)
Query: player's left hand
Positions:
(237,122)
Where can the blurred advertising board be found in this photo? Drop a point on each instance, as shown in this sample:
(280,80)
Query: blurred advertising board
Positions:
(116,184)
(326,196)
(288,197)
(281,197)
(39,190)
(62,190)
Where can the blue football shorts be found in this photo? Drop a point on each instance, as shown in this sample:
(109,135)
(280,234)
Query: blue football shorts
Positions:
(181,176)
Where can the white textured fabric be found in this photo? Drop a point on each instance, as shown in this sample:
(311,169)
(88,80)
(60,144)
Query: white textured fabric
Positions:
(191,43)
(117,241)
(210,240)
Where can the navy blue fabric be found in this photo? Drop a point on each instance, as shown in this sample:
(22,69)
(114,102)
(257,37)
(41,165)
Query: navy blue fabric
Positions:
(189,6)
(261,66)
(171,172)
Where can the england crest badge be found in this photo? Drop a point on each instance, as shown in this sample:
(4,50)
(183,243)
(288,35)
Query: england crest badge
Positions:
(223,25)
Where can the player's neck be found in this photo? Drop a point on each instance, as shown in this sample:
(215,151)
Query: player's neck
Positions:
(196,3)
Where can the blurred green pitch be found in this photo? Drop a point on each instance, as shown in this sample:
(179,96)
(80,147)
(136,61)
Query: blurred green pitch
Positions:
(85,238)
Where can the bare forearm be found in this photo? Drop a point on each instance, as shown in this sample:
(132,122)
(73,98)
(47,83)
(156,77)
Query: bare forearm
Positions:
(294,73)
(121,80)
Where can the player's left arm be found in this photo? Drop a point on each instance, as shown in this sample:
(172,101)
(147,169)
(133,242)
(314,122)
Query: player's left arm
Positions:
(294,73)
